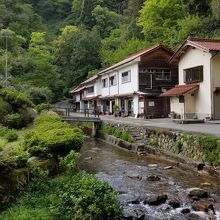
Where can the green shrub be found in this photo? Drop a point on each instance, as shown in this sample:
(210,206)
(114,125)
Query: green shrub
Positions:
(69,163)
(43,107)
(3,142)
(8,134)
(50,117)
(15,157)
(17,120)
(52,137)
(39,95)
(207,142)
(210,149)
(5,108)
(67,197)
(88,198)
(16,99)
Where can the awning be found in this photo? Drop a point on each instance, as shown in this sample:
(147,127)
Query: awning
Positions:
(181,90)
(90,98)
(106,97)
(77,89)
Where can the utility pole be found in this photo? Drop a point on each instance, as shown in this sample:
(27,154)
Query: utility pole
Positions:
(6,59)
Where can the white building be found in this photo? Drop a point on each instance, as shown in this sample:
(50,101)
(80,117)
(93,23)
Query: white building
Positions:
(198,93)
(134,85)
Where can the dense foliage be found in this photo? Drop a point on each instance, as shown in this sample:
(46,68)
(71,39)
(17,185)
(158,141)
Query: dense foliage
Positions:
(71,195)
(51,137)
(14,107)
(54,45)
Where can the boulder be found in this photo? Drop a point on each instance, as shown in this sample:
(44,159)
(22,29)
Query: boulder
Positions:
(156,199)
(153,178)
(174,203)
(133,214)
(203,206)
(201,193)
(194,216)
(126,199)
(185,211)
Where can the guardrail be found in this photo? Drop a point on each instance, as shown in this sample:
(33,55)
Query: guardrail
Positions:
(87,112)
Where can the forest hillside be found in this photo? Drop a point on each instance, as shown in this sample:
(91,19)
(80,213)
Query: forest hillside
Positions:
(52,45)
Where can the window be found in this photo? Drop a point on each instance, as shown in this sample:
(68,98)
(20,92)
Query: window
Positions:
(90,90)
(181,99)
(194,74)
(112,80)
(162,74)
(105,83)
(126,77)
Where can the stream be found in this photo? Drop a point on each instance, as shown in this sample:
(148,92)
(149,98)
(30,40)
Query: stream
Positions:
(140,179)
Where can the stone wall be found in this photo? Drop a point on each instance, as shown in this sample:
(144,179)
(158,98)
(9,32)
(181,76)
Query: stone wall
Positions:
(180,146)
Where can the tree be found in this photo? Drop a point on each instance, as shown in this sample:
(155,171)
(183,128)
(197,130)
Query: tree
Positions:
(106,20)
(215,5)
(40,70)
(157,17)
(110,55)
(19,17)
(77,53)
(199,7)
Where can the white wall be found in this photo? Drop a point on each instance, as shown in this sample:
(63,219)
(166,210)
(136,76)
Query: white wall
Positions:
(193,58)
(136,104)
(119,88)
(97,87)
(176,106)
(77,96)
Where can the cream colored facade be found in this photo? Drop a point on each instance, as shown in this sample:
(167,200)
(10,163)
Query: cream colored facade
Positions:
(201,103)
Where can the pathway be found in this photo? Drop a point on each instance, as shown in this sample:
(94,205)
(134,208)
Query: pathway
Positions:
(206,128)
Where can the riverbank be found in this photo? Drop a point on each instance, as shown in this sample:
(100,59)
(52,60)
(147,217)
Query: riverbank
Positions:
(196,151)
(137,178)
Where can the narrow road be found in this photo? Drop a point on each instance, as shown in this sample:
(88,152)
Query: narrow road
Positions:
(203,128)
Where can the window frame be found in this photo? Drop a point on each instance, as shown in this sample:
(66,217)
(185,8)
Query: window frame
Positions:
(87,90)
(106,80)
(112,82)
(194,78)
(129,77)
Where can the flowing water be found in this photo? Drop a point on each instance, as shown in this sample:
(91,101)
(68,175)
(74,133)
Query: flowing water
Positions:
(129,175)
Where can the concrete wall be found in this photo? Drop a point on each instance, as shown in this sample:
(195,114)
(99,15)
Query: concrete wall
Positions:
(176,106)
(193,58)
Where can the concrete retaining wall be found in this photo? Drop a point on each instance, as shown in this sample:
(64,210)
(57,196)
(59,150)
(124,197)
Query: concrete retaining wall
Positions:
(181,147)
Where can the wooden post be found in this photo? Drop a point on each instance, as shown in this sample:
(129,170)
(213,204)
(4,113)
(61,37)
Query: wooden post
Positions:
(145,107)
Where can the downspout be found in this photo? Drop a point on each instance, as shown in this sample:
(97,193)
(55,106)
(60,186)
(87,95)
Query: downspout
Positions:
(211,87)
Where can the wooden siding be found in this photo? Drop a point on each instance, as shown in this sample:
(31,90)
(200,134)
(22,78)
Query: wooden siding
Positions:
(153,87)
